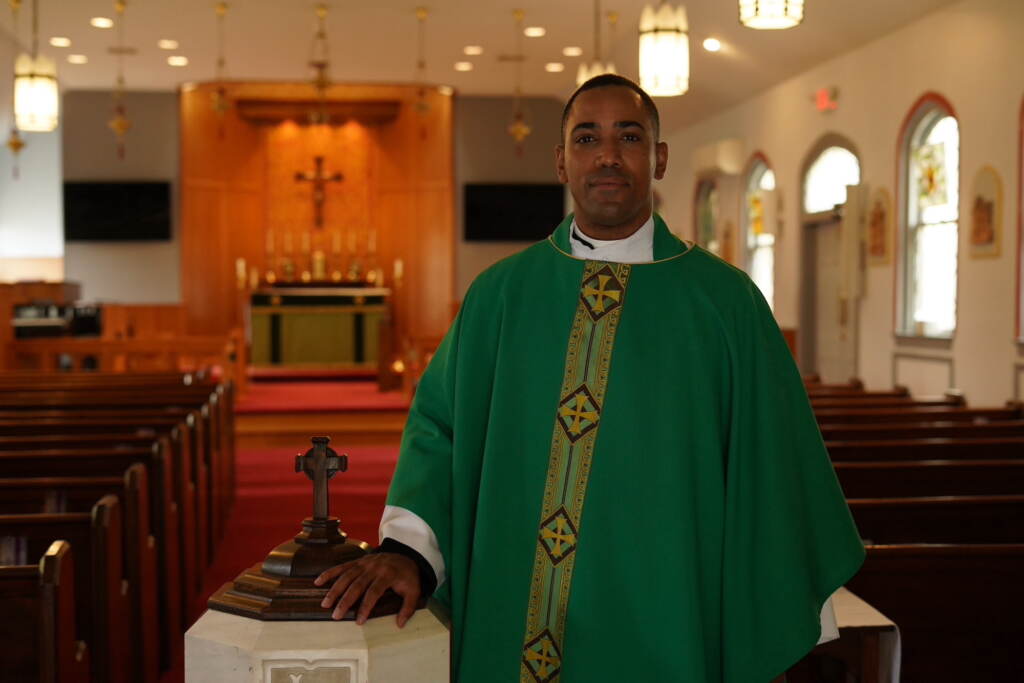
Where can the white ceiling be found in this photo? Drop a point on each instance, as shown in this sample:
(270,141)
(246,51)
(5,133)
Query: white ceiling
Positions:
(376,41)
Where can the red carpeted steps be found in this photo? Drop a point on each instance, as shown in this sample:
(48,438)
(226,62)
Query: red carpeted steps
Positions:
(280,414)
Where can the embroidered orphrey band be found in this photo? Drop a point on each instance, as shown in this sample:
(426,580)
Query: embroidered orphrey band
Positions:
(588,360)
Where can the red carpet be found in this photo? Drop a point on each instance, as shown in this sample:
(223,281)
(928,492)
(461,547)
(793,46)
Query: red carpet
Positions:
(318,397)
(272,501)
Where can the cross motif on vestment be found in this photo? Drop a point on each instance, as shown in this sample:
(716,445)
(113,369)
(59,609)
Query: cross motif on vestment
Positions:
(601,293)
(578,413)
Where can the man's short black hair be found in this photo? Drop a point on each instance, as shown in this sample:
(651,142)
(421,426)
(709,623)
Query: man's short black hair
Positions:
(610,80)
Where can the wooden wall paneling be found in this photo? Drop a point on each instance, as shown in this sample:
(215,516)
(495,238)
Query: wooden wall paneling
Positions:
(222,180)
(239,183)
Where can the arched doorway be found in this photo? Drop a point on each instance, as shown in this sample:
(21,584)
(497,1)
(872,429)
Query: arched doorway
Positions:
(829,312)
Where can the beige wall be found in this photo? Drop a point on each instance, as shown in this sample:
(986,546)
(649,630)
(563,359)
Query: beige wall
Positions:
(484,153)
(129,272)
(968,52)
(31,205)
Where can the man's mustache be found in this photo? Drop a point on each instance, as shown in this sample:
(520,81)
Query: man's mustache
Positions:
(606,175)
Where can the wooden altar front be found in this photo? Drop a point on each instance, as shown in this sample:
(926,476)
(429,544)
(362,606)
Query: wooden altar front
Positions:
(271,199)
(322,327)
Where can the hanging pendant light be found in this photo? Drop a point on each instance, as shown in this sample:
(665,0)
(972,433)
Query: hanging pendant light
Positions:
(597,66)
(771,14)
(519,129)
(219,98)
(36,97)
(664,50)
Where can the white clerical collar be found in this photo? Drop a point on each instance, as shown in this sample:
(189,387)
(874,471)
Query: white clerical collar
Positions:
(637,248)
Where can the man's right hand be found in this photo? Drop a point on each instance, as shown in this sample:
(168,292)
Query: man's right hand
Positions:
(368,578)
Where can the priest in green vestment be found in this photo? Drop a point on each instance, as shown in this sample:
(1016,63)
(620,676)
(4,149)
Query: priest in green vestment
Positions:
(611,470)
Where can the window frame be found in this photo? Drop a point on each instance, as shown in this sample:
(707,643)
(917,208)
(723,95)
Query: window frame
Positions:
(756,159)
(711,183)
(933,106)
(1019,323)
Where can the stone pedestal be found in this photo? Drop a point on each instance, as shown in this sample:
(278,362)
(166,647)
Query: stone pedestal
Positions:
(226,648)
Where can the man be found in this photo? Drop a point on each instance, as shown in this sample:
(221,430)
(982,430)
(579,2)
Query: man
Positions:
(611,469)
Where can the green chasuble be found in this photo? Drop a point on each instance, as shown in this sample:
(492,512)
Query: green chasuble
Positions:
(624,475)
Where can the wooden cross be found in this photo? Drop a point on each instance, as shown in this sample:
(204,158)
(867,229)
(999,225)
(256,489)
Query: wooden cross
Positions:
(319,180)
(320,463)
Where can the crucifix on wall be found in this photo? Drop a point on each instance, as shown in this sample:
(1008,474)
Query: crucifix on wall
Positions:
(319,180)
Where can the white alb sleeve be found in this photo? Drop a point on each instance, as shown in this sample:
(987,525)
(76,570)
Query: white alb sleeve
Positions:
(829,629)
(405,526)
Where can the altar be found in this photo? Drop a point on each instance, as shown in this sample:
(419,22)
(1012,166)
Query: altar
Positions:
(337,327)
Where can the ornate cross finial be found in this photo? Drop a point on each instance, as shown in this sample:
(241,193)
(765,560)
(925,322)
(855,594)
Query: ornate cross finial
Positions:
(320,463)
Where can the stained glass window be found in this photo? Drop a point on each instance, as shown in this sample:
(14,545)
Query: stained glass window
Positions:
(827,178)
(932,191)
(707,216)
(760,237)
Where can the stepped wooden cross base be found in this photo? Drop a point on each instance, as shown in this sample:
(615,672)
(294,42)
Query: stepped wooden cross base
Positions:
(281,587)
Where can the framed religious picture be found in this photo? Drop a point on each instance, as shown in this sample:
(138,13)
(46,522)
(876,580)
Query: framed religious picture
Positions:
(879,228)
(986,214)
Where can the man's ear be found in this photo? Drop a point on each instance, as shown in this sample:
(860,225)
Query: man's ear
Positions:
(660,160)
(560,164)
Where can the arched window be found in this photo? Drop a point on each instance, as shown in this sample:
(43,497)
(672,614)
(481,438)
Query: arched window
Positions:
(930,180)
(758,230)
(827,178)
(707,214)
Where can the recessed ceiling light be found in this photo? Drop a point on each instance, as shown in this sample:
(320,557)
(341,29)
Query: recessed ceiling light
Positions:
(712,45)
(572,51)
(177,60)
(60,41)
(446,90)
(473,50)
(534,31)
(463,66)
(167,44)
(101,22)
(78,59)
(554,67)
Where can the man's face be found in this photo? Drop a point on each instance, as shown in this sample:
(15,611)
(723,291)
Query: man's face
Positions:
(609,157)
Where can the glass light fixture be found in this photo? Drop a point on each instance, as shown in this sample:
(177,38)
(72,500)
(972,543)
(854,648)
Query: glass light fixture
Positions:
(664,50)
(771,14)
(597,66)
(36,98)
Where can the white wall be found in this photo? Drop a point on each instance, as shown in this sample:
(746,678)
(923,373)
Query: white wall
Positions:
(484,153)
(31,206)
(970,53)
(128,272)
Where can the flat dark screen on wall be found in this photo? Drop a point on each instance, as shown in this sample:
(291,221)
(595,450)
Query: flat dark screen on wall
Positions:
(512,213)
(128,211)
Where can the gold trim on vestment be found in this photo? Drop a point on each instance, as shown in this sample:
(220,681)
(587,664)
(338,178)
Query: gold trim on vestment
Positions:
(577,421)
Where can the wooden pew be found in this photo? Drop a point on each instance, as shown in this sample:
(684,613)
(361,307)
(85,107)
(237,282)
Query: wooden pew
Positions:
(79,494)
(917,414)
(99,577)
(854,392)
(1007,447)
(38,621)
(864,402)
(940,519)
(163,514)
(183,482)
(912,478)
(192,459)
(215,409)
(921,430)
(958,608)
